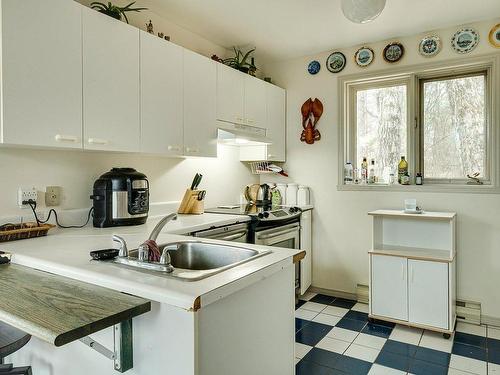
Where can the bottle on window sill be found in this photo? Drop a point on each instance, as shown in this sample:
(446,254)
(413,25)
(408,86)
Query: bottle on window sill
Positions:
(348,173)
(419,180)
(405,179)
(364,171)
(402,169)
(371,173)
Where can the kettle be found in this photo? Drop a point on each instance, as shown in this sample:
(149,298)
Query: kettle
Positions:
(259,195)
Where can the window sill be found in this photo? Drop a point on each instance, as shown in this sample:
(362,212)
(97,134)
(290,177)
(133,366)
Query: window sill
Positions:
(426,188)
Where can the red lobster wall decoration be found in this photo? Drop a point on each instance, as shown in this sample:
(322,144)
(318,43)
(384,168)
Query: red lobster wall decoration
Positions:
(311,113)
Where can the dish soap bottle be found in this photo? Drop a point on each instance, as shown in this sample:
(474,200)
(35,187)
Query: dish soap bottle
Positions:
(276,198)
(402,169)
(348,173)
(371,173)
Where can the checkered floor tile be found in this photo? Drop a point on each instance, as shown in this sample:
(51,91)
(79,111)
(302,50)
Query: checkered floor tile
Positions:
(334,336)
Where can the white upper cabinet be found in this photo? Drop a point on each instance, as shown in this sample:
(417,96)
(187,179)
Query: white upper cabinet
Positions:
(161,96)
(200,89)
(276,129)
(41,73)
(230,94)
(110,83)
(255,102)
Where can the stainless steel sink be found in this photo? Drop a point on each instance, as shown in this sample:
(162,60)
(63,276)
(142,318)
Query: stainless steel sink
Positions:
(194,260)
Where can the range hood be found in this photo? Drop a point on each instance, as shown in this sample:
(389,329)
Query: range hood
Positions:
(241,135)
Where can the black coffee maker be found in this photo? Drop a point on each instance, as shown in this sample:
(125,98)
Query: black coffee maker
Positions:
(121,197)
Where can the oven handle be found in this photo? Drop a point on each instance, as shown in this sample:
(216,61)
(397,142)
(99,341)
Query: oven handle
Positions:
(233,237)
(277,234)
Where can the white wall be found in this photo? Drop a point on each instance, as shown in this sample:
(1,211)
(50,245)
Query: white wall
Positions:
(342,229)
(223,177)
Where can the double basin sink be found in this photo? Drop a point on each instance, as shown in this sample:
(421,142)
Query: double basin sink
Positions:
(194,260)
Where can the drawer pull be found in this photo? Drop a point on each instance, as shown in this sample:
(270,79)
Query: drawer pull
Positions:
(173,148)
(192,150)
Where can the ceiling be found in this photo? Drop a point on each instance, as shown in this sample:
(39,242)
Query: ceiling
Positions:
(284,29)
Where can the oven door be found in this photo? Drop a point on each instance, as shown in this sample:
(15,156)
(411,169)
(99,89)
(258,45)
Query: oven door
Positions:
(234,233)
(287,236)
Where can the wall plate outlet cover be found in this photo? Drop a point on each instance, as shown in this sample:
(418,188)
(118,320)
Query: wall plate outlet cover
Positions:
(53,196)
(26,194)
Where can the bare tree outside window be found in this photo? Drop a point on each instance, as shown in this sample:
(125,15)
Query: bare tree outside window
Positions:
(381,127)
(454,127)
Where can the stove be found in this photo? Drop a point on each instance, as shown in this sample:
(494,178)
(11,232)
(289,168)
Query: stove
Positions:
(261,214)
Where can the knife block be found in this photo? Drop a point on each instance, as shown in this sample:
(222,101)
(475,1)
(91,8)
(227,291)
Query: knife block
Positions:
(190,204)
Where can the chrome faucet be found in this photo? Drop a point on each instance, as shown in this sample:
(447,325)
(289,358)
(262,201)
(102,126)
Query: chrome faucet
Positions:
(156,231)
(123,246)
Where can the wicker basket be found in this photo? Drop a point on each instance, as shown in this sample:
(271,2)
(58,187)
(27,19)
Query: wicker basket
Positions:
(14,232)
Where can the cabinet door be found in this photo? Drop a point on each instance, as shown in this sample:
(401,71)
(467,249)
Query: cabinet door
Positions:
(428,293)
(230,94)
(276,97)
(41,73)
(161,96)
(200,129)
(255,102)
(306,244)
(110,83)
(389,287)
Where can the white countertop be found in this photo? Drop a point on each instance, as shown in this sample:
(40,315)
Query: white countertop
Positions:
(66,253)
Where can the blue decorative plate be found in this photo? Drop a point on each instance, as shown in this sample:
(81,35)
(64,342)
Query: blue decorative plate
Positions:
(364,56)
(430,46)
(336,62)
(314,67)
(465,40)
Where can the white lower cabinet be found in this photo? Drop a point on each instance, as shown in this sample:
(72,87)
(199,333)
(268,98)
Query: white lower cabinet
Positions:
(428,293)
(409,290)
(389,287)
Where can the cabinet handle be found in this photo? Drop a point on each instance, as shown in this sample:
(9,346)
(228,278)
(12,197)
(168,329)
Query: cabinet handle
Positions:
(66,138)
(173,148)
(98,141)
(192,150)
(250,121)
(270,156)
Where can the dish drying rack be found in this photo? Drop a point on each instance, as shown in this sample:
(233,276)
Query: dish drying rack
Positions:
(266,167)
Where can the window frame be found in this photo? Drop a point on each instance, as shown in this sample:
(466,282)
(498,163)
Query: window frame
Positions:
(413,76)
(456,73)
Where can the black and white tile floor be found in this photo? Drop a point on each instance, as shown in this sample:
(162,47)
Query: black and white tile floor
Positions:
(333,336)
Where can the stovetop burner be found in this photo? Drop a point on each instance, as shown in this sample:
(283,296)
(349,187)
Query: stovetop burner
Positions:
(262,213)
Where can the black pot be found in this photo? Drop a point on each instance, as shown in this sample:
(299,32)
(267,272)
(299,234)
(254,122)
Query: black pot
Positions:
(115,15)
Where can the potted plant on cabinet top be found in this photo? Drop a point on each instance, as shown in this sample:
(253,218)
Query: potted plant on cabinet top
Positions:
(240,61)
(115,11)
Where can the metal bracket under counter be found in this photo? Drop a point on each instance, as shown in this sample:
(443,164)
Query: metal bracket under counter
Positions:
(122,353)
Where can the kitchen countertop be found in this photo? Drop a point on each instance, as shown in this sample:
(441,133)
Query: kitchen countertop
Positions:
(66,253)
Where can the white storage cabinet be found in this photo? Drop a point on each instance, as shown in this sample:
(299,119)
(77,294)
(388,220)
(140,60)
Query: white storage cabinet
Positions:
(41,73)
(412,269)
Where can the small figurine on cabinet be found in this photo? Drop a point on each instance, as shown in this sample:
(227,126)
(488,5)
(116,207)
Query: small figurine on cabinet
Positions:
(149,27)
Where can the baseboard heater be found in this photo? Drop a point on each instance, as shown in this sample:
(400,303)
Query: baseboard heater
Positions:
(467,311)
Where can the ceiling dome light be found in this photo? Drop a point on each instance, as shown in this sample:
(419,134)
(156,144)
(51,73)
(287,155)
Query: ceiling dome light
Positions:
(362,11)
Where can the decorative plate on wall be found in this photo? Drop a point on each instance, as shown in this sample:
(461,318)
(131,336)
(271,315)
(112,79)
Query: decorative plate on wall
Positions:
(430,46)
(465,40)
(336,62)
(495,36)
(393,52)
(364,56)
(314,67)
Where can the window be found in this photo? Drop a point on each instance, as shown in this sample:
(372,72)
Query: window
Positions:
(439,118)
(453,130)
(381,122)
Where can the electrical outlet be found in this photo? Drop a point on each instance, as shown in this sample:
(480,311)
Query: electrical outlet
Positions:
(24,195)
(52,196)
